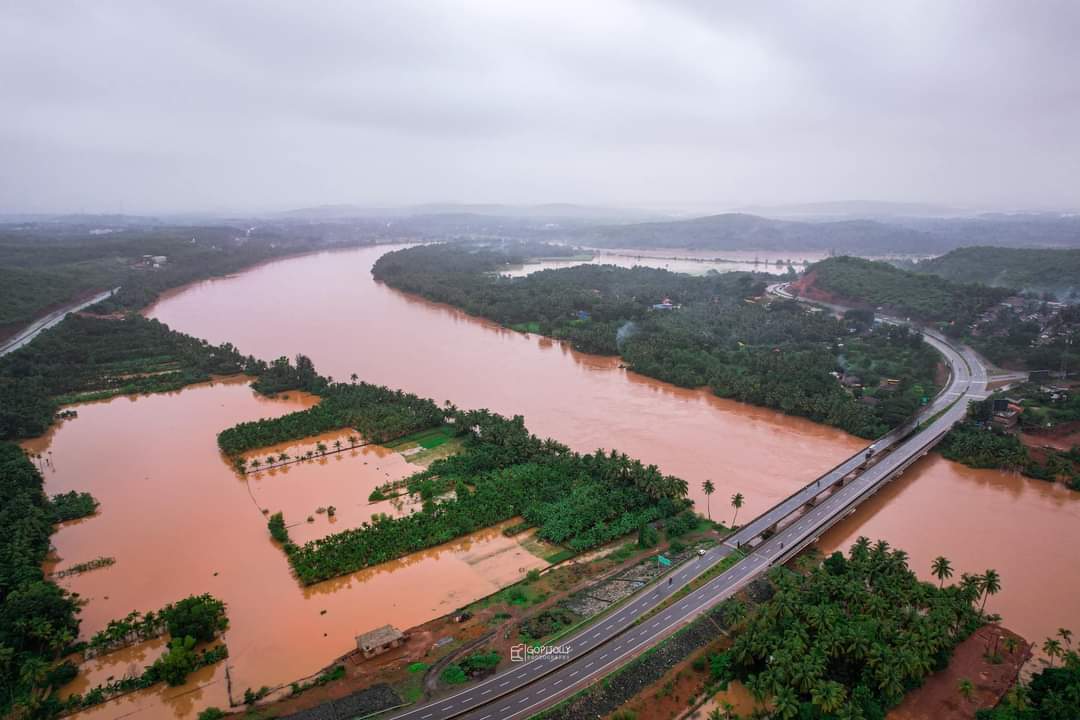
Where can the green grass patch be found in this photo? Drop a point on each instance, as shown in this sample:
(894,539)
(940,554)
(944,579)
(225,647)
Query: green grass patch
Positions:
(529,327)
(417,667)
(561,555)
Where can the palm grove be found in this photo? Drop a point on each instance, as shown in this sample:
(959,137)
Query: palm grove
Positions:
(503,471)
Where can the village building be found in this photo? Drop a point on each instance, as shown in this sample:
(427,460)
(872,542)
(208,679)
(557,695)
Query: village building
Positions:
(379,640)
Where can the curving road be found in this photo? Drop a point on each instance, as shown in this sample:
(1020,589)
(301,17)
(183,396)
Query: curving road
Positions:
(794,523)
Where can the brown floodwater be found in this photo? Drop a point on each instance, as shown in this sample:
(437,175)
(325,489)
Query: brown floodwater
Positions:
(180,521)
(588,401)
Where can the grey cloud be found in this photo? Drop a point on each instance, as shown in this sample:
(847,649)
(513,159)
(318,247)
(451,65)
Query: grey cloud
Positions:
(156,106)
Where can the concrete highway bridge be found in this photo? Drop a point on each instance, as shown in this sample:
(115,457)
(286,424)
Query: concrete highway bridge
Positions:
(768,540)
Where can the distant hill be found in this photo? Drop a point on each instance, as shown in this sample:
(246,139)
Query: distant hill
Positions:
(547,211)
(912,236)
(739,231)
(855,281)
(1038,270)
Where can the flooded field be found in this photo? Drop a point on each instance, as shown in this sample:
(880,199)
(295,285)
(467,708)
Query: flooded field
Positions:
(180,521)
(692,262)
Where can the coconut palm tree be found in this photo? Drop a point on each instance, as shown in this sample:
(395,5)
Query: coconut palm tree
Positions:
(337,445)
(708,488)
(352,441)
(736,502)
(942,569)
(320,447)
(829,696)
(990,583)
(354,377)
(1052,648)
(787,704)
(1066,636)
(966,688)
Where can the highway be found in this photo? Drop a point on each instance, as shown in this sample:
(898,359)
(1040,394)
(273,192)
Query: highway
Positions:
(40,325)
(612,640)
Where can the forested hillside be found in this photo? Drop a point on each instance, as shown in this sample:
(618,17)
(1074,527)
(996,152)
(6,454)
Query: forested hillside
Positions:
(692,331)
(924,297)
(1035,270)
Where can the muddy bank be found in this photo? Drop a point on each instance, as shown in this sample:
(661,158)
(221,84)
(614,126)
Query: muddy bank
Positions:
(940,698)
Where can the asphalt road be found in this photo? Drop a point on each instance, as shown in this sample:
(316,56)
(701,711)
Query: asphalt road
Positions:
(614,639)
(41,324)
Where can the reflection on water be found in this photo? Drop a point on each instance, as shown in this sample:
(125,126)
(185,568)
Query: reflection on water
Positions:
(1025,529)
(179,520)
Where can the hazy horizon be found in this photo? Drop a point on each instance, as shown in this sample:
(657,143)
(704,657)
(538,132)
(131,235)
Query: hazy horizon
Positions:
(150,108)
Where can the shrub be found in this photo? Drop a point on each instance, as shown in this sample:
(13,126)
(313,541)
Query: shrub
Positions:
(453,675)
(277,528)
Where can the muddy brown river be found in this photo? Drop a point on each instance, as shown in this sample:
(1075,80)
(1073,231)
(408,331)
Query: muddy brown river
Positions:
(179,521)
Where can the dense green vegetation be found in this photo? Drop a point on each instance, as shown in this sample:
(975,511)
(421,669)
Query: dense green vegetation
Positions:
(376,412)
(924,297)
(474,665)
(1030,269)
(180,660)
(504,471)
(851,637)
(51,264)
(37,618)
(73,505)
(1052,694)
(977,443)
(88,358)
(981,447)
(776,354)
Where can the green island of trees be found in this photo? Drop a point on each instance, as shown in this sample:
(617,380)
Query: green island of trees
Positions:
(378,413)
(849,638)
(504,471)
(714,331)
(73,505)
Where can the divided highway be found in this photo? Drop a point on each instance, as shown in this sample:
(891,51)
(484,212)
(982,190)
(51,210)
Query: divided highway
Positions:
(795,523)
(41,324)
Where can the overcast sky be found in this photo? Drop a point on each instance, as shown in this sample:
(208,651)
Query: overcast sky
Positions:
(184,105)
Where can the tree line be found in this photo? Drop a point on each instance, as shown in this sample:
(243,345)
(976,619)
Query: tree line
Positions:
(713,331)
(89,358)
(376,412)
(38,618)
(504,471)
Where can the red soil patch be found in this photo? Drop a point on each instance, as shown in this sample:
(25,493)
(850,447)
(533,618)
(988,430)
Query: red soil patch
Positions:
(672,695)
(940,699)
(1061,437)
